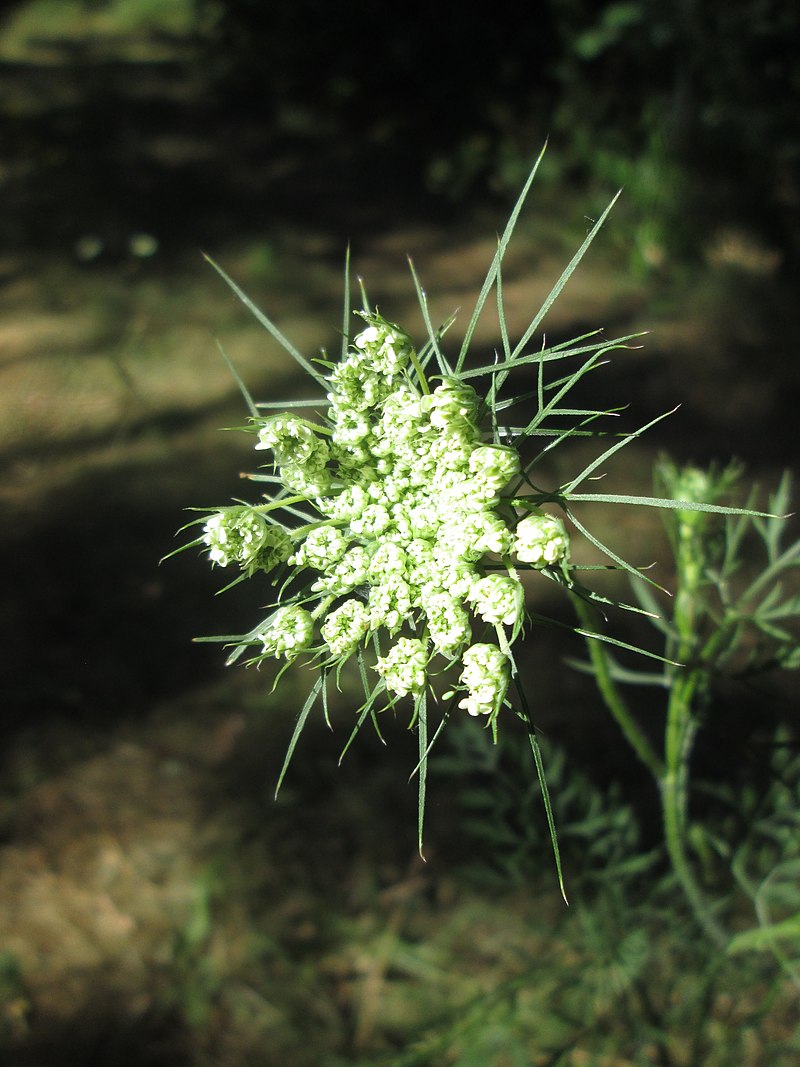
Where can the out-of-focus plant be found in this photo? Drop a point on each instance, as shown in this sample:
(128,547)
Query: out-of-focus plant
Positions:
(726,620)
(699,101)
(691,106)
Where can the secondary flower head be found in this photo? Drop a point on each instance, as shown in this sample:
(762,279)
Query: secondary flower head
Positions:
(485,675)
(289,632)
(242,535)
(541,539)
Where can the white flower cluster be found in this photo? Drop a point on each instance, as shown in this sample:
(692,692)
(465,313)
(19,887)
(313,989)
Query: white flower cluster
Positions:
(242,535)
(289,632)
(485,674)
(541,540)
(409,498)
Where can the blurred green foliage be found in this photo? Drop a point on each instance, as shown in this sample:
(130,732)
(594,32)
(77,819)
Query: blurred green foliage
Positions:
(692,105)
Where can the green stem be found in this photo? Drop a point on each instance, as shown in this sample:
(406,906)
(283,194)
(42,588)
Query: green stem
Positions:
(612,696)
(688,692)
(672,774)
(681,731)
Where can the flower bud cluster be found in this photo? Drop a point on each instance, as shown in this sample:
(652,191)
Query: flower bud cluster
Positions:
(409,498)
(242,535)
(289,632)
(498,599)
(541,539)
(299,451)
(485,675)
(405,668)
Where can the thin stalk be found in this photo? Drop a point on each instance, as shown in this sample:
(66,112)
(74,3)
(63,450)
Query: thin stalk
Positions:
(687,694)
(681,731)
(614,700)
(671,774)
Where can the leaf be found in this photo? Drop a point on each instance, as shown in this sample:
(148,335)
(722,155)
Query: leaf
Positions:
(346,303)
(568,489)
(421,709)
(433,337)
(549,355)
(537,759)
(653,501)
(611,554)
(269,325)
(765,937)
(551,825)
(301,721)
(562,281)
(495,264)
(253,409)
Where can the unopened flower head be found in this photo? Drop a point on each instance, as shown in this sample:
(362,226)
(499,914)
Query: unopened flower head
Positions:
(485,675)
(494,465)
(290,632)
(498,599)
(404,668)
(448,622)
(541,539)
(345,628)
(454,407)
(241,535)
(322,547)
(289,437)
(384,344)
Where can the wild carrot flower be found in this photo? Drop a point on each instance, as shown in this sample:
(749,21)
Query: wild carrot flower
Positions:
(408,508)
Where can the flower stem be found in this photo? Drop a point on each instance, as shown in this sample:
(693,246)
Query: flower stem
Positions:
(614,700)
(671,774)
(681,731)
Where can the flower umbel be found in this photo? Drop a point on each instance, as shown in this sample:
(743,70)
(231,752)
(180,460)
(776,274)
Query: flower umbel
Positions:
(540,539)
(409,494)
(407,510)
(242,535)
(485,675)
